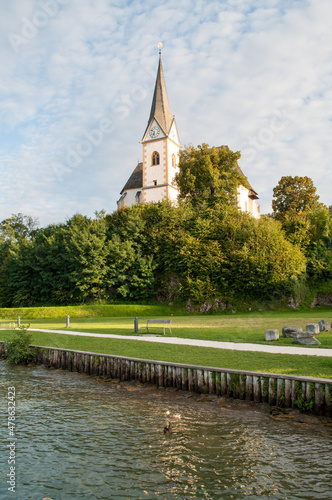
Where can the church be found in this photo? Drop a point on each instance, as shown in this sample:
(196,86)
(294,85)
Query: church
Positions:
(153,178)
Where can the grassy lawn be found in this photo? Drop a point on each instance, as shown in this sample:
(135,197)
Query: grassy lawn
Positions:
(248,327)
(310,366)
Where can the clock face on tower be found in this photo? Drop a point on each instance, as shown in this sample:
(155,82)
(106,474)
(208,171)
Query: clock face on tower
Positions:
(154,132)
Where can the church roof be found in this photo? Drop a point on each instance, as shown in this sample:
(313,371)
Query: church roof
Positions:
(252,193)
(160,109)
(135,181)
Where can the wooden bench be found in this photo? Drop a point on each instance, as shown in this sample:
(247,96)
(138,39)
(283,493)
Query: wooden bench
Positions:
(11,324)
(165,322)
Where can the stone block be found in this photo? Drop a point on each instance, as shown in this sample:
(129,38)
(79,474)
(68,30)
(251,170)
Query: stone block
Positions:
(308,341)
(324,326)
(312,327)
(271,334)
(289,331)
(305,338)
(303,335)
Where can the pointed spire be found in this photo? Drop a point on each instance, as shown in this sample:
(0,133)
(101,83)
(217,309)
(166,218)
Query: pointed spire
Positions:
(160,109)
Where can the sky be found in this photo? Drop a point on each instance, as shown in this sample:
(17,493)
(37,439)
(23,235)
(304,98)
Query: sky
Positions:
(77,79)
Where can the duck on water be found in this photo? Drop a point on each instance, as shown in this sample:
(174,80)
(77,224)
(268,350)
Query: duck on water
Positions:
(168,428)
(169,418)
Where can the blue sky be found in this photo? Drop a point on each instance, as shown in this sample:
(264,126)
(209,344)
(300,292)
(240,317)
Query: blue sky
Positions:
(77,81)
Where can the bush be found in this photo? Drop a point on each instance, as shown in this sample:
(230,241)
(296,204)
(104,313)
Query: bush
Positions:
(18,351)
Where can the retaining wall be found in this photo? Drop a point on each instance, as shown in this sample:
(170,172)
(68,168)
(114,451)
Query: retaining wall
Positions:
(304,393)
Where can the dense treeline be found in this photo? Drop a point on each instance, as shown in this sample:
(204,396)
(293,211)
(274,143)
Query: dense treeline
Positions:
(203,248)
(159,250)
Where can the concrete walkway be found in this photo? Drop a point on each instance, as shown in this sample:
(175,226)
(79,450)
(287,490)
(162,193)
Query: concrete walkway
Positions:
(201,343)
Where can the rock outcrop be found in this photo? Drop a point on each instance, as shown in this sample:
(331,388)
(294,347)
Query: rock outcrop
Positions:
(322,299)
(207,306)
(290,331)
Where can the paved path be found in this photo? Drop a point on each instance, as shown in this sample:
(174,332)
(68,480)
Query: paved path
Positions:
(234,346)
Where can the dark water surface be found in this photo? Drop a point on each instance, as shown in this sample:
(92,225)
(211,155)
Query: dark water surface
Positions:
(77,437)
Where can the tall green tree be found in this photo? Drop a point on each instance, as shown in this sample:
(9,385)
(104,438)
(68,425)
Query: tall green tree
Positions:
(18,227)
(319,249)
(21,277)
(130,262)
(306,223)
(294,195)
(209,175)
(4,257)
(87,251)
(258,261)
(52,263)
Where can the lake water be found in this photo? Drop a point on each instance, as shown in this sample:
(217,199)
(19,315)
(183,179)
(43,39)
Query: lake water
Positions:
(77,437)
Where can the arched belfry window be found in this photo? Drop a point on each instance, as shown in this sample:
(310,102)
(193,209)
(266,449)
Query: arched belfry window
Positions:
(155,159)
(173,160)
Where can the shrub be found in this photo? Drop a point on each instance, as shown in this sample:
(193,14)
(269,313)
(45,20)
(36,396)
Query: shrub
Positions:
(18,351)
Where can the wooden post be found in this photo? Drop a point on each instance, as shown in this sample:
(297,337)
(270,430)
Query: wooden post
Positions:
(328,400)
(161,376)
(173,375)
(200,380)
(293,394)
(319,399)
(288,393)
(153,373)
(184,385)
(249,389)
(272,395)
(223,384)
(257,389)
(191,382)
(280,392)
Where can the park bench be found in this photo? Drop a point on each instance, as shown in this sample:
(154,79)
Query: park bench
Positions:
(10,324)
(153,322)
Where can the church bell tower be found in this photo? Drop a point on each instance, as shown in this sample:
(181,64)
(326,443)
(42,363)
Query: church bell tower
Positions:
(153,179)
(161,146)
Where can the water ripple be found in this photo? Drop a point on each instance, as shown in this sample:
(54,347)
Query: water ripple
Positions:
(80,438)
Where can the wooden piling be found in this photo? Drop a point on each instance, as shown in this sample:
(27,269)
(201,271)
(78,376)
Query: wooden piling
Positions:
(256,389)
(304,393)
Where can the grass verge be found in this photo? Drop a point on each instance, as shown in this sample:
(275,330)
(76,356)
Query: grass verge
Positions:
(311,366)
(91,311)
(246,327)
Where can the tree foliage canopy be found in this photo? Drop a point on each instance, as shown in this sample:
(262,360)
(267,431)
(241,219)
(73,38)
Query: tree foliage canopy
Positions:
(18,227)
(165,251)
(209,175)
(294,194)
(306,222)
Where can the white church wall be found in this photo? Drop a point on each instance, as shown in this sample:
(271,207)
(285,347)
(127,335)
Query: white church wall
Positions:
(173,149)
(245,203)
(173,194)
(154,173)
(155,194)
(128,198)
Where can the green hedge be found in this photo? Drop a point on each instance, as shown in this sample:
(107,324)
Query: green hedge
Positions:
(90,311)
